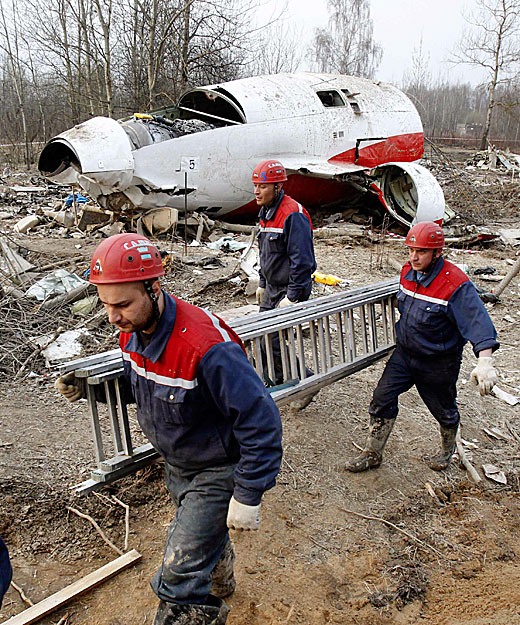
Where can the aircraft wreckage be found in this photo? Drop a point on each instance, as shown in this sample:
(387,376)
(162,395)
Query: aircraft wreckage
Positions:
(343,140)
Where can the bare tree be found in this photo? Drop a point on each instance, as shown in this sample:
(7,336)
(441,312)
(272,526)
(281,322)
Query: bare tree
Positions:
(347,46)
(277,51)
(11,45)
(492,43)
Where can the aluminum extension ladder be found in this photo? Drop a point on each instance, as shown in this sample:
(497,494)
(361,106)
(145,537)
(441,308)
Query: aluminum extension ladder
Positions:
(335,336)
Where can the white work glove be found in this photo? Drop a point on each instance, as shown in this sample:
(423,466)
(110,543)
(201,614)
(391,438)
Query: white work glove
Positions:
(243,517)
(71,387)
(484,375)
(285,302)
(260,295)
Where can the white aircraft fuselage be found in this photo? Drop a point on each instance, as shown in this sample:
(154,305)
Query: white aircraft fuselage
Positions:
(338,137)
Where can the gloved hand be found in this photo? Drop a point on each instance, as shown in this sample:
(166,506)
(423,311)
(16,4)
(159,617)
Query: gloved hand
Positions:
(259,295)
(243,517)
(484,375)
(71,387)
(285,302)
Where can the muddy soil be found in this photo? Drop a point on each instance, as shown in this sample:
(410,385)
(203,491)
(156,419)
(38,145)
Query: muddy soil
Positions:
(399,545)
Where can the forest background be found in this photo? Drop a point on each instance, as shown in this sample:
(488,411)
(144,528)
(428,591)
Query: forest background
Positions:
(64,61)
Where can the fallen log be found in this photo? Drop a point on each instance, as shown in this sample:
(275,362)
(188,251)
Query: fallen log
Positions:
(507,279)
(60,598)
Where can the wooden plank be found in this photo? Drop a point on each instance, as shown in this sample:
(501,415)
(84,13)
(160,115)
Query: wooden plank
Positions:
(60,598)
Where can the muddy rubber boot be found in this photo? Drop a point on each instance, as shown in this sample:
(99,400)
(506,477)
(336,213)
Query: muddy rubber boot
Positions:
(223,578)
(448,440)
(215,612)
(372,456)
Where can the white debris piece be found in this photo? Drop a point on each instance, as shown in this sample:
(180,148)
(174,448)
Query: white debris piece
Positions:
(494,473)
(227,244)
(512,400)
(56,283)
(11,261)
(65,347)
(26,223)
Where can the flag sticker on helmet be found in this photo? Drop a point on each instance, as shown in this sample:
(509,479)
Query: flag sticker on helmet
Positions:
(97,267)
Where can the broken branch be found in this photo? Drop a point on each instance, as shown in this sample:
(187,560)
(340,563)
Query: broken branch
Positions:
(217,281)
(127,519)
(97,528)
(20,591)
(385,522)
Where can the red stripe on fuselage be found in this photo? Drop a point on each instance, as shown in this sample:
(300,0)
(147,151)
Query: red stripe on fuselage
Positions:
(400,148)
(308,191)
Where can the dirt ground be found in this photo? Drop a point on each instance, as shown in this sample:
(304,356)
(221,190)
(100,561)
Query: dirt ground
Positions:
(398,545)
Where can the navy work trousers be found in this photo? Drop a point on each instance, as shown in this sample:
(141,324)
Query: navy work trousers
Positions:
(435,378)
(272,297)
(197,535)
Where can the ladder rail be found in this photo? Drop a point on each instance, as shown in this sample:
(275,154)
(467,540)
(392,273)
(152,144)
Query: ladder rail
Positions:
(338,335)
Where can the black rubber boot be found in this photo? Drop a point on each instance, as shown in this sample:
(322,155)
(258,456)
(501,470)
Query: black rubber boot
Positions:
(223,578)
(372,456)
(215,612)
(449,443)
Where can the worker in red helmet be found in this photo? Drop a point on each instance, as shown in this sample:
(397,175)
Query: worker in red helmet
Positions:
(204,409)
(287,259)
(440,311)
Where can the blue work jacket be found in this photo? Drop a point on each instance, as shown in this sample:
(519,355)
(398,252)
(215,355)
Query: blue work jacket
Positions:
(441,311)
(199,400)
(286,248)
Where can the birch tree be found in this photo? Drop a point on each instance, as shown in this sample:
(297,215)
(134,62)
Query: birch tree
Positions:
(492,42)
(347,46)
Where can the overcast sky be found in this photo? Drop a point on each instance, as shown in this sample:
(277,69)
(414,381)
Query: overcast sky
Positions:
(398,28)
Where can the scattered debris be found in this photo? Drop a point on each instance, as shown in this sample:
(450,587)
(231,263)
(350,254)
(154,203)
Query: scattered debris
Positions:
(329,279)
(57,283)
(497,433)
(62,348)
(494,473)
(26,223)
(512,400)
(227,244)
(510,236)
(159,221)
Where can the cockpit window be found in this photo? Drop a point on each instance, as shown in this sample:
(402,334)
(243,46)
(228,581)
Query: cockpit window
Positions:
(216,107)
(330,98)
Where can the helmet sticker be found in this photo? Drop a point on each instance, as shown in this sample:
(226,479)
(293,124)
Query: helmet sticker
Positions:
(97,267)
(129,245)
(145,256)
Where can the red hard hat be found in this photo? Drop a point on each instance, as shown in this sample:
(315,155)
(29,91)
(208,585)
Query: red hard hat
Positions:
(125,258)
(268,172)
(425,235)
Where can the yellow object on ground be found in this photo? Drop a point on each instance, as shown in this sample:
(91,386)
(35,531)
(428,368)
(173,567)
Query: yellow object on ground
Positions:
(326,278)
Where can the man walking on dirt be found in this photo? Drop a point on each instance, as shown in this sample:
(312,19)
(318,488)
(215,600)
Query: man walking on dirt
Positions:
(204,409)
(287,259)
(440,311)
